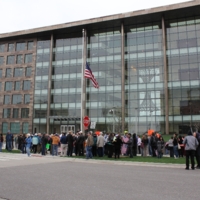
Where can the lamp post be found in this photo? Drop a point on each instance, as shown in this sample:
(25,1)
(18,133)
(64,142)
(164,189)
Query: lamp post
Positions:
(113,113)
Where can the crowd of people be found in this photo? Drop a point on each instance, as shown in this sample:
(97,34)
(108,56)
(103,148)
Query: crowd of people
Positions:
(104,144)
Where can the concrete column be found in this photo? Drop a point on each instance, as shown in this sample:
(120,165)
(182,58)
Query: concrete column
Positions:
(123,78)
(165,77)
(49,84)
(83,84)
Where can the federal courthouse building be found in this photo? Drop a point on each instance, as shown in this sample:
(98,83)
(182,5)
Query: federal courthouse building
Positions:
(146,62)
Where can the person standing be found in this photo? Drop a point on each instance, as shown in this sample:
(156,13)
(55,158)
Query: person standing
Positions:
(9,138)
(39,143)
(134,144)
(117,145)
(130,145)
(191,144)
(35,142)
(44,141)
(55,142)
(100,144)
(80,142)
(175,143)
(16,141)
(28,144)
(197,153)
(63,142)
(139,144)
(70,144)
(1,142)
(94,146)
(145,145)
(89,144)
(171,147)
(153,144)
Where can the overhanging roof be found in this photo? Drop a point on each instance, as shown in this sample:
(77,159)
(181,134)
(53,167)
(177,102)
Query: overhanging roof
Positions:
(103,19)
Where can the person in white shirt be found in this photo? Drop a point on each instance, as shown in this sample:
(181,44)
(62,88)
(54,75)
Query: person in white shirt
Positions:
(139,144)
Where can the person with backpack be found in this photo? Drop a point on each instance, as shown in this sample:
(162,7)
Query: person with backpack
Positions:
(89,144)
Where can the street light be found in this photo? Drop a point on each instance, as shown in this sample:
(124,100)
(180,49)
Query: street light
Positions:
(113,112)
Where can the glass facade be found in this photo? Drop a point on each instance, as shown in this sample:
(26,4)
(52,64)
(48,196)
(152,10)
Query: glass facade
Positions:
(41,85)
(144,88)
(183,58)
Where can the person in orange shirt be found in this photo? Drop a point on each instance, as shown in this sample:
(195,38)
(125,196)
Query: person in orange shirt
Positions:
(55,142)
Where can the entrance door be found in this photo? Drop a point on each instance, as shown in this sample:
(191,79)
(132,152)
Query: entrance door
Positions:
(67,128)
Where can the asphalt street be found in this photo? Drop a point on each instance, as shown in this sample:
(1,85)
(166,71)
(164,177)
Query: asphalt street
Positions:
(35,178)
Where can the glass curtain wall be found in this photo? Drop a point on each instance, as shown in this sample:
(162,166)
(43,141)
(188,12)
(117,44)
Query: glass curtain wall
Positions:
(144,78)
(183,56)
(41,85)
(66,80)
(104,56)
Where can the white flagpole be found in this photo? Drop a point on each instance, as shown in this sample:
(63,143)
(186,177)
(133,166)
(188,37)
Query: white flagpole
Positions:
(83,82)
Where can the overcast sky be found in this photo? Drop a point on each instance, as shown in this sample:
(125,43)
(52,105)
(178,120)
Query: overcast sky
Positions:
(25,14)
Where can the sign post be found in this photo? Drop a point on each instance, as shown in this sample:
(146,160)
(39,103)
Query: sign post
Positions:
(92,125)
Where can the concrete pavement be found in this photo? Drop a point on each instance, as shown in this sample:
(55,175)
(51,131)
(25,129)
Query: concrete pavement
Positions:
(71,178)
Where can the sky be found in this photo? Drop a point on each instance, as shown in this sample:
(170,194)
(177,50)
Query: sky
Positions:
(18,15)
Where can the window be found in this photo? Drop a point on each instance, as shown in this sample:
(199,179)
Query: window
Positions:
(25,127)
(2,47)
(15,112)
(18,72)
(15,127)
(8,72)
(11,47)
(28,71)
(26,98)
(30,45)
(19,59)
(24,112)
(10,60)
(20,46)
(26,85)
(17,85)
(7,99)
(4,127)
(8,86)
(6,112)
(28,58)
(1,60)
(0,73)
(17,99)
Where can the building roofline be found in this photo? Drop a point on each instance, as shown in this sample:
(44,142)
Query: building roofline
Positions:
(102,19)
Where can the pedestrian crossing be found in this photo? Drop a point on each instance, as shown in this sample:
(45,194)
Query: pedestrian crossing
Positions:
(8,157)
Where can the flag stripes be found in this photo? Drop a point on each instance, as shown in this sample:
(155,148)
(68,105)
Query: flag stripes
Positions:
(88,74)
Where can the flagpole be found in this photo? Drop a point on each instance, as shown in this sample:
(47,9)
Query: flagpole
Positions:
(83,81)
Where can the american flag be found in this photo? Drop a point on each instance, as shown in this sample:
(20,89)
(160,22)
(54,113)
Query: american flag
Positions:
(89,75)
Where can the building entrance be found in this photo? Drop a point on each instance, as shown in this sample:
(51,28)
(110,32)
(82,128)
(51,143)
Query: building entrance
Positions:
(67,128)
